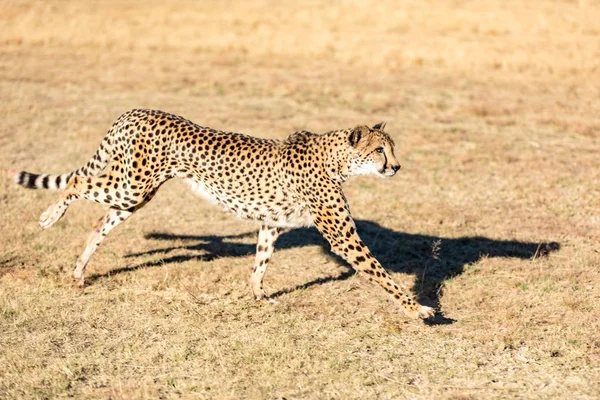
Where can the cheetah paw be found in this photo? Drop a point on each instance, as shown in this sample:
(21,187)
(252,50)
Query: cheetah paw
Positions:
(50,216)
(423,312)
(79,281)
(262,297)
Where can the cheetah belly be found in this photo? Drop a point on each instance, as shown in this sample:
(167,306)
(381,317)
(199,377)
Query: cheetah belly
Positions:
(203,191)
(290,214)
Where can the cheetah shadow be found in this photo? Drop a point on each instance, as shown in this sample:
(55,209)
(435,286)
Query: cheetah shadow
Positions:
(432,259)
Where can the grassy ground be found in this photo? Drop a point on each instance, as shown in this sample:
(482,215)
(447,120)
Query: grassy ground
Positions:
(494,218)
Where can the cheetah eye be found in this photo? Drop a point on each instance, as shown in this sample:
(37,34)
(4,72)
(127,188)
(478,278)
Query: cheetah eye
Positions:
(379,150)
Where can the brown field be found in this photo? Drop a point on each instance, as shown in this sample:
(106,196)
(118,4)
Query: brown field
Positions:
(494,218)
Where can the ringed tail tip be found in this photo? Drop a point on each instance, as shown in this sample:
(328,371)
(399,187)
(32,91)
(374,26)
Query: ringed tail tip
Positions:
(25,179)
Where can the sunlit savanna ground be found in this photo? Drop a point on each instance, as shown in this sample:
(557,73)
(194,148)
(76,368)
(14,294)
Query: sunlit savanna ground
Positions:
(494,217)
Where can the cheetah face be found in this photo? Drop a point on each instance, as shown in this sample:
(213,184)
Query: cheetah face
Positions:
(373,152)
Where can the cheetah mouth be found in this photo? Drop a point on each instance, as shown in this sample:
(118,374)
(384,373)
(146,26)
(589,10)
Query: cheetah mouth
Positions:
(388,172)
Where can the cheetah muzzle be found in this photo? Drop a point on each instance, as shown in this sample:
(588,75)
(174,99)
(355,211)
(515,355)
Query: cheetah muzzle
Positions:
(291,183)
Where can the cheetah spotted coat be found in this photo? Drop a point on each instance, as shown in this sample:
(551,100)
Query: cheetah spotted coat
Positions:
(296,182)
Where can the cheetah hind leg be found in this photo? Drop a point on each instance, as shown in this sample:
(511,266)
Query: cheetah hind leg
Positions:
(120,210)
(100,229)
(58,209)
(113,217)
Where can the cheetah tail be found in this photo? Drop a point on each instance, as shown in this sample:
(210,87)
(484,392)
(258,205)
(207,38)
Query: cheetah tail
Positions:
(42,181)
(56,182)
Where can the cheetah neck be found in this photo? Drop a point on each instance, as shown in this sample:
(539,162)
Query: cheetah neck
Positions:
(337,155)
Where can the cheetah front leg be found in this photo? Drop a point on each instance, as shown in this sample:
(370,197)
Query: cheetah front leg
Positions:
(267,236)
(334,221)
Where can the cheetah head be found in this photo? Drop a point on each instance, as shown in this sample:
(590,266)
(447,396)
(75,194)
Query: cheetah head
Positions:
(371,152)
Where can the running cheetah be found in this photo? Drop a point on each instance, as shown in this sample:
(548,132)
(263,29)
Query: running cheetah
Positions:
(291,183)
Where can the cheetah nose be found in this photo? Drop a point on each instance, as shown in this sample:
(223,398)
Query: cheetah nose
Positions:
(396,168)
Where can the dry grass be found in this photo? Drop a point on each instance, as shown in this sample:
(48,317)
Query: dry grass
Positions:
(495,109)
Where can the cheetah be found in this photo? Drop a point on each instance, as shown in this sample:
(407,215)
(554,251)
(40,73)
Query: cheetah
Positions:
(291,183)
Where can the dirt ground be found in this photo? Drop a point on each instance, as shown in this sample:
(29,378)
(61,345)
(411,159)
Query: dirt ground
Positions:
(494,218)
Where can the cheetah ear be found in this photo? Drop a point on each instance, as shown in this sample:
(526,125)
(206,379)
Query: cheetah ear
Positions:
(380,126)
(357,134)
